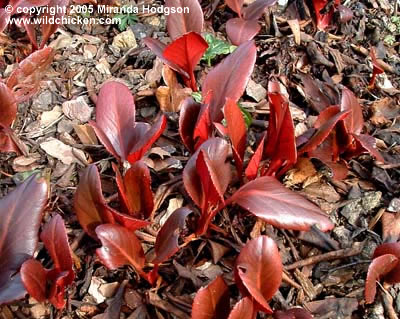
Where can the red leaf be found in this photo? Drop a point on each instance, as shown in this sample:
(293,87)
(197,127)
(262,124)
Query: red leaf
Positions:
(217,150)
(146,135)
(212,301)
(368,144)
(30,29)
(25,80)
(135,190)
(4,19)
(240,30)
(256,9)
(120,247)
(34,277)
(323,131)
(244,309)
(235,5)
(259,268)
(180,23)
(323,20)
(379,267)
(281,142)
(186,52)
(377,69)
(354,122)
(167,238)
(115,124)
(237,132)
(203,129)
(393,249)
(8,110)
(157,47)
(269,200)
(89,203)
(294,313)
(229,78)
(20,215)
(190,111)
(254,164)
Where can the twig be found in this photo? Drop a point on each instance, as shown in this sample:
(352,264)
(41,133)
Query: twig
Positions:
(342,253)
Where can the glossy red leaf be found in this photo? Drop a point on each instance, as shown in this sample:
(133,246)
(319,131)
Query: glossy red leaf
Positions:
(217,151)
(254,163)
(379,267)
(240,30)
(268,199)
(89,203)
(229,78)
(179,24)
(20,215)
(294,313)
(25,80)
(135,192)
(259,268)
(157,47)
(115,124)
(256,9)
(323,131)
(354,122)
(323,20)
(377,69)
(281,140)
(188,116)
(120,247)
(8,110)
(243,309)
(34,277)
(212,301)
(368,144)
(237,132)
(146,135)
(186,52)
(203,129)
(392,249)
(235,5)
(167,238)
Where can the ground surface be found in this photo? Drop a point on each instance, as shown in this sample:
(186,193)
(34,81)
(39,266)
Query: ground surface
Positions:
(86,58)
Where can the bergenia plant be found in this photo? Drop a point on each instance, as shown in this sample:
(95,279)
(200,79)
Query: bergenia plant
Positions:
(258,275)
(337,133)
(21,213)
(188,46)
(115,124)
(246,27)
(49,284)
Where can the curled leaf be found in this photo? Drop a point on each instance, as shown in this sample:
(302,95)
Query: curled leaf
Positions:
(34,277)
(354,122)
(244,309)
(393,249)
(212,301)
(167,238)
(268,199)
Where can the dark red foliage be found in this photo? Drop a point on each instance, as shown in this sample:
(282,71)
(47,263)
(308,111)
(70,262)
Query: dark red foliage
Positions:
(325,19)
(24,81)
(134,189)
(268,199)
(8,112)
(186,51)
(206,177)
(167,238)
(20,215)
(258,271)
(229,79)
(92,209)
(393,249)
(179,24)
(212,301)
(246,27)
(115,124)
(54,238)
